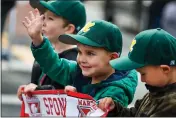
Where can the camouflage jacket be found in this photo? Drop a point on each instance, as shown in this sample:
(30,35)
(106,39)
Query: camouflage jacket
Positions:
(159,102)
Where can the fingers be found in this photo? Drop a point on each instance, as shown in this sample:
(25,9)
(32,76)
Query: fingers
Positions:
(37,13)
(32,15)
(27,20)
(70,88)
(20,91)
(25,24)
(101,104)
(30,88)
(109,104)
(25,89)
(106,104)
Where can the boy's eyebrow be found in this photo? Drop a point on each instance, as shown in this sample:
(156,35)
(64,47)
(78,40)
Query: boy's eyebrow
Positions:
(140,71)
(86,50)
(90,50)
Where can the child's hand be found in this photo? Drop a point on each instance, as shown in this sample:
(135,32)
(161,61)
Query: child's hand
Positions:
(30,88)
(34,26)
(106,104)
(70,88)
(25,89)
(20,91)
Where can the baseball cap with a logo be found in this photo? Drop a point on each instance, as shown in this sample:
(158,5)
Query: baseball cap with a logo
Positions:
(72,10)
(150,47)
(98,33)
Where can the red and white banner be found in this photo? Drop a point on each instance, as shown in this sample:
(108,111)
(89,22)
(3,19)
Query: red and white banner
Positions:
(59,103)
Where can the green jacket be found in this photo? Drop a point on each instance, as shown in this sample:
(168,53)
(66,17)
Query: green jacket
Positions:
(120,86)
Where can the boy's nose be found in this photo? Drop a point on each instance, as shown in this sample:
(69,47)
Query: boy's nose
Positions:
(81,59)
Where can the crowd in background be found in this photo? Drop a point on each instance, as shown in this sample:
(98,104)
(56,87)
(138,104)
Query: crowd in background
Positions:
(159,12)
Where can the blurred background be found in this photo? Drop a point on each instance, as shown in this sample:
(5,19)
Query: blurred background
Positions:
(16,57)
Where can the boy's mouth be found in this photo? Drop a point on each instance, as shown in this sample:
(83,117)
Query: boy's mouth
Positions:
(85,67)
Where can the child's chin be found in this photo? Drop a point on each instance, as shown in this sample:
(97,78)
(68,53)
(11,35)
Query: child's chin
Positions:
(86,74)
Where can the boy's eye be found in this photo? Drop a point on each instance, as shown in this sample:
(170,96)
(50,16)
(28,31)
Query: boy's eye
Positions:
(90,53)
(79,52)
(142,74)
(50,18)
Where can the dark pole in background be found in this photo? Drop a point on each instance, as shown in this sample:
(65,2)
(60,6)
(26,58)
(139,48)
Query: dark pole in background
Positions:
(138,11)
(109,11)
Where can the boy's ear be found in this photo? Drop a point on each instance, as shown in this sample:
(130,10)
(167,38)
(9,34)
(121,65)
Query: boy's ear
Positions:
(114,55)
(166,69)
(70,29)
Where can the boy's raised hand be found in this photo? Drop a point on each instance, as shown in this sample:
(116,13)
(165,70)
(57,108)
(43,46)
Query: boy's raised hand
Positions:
(106,104)
(34,24)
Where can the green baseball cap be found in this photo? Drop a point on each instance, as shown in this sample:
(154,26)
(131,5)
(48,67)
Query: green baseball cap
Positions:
(150,47)
(72,10)
(98,33)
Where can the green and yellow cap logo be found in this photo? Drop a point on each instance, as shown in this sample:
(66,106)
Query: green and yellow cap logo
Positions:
(132,44)
(87,27)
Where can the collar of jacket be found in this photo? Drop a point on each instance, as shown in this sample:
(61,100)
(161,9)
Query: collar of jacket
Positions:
(92,88)
(160,90)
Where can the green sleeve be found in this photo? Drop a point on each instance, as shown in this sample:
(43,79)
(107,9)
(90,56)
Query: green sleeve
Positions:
(58,69)
(117,94)
(121,91)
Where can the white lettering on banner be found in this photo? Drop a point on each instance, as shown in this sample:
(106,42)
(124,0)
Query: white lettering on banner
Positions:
(56,105)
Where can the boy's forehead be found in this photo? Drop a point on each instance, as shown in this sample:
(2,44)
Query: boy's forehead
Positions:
(48,12)
(86,47)
(79,45)
(147,68)
(140,69)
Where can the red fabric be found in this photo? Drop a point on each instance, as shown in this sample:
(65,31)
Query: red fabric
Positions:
(42,80)
(22,113)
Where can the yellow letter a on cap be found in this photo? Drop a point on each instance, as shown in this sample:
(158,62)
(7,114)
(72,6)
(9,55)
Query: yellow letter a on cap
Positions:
(87,26)
(132,44)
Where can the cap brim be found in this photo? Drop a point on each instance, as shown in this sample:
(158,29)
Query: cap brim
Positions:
(74,39)
(48,7)
(36,4)
(124,63)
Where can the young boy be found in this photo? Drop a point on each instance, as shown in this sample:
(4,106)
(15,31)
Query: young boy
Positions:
(153,55)
(98,42)
(59,17)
